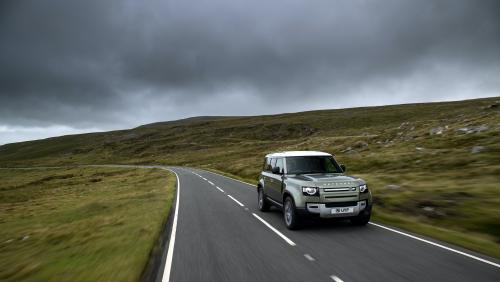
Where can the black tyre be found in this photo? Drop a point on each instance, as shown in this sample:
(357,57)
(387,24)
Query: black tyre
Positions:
(292,219)
(262,201)
(361,219)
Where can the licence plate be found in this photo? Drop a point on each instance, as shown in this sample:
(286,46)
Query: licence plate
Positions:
(342,210)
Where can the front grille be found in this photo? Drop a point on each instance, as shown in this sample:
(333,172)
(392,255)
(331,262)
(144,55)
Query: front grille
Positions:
(339,189)
(341,204)
(343,196)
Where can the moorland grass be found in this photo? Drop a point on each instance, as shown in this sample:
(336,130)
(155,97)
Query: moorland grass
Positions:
(80,224)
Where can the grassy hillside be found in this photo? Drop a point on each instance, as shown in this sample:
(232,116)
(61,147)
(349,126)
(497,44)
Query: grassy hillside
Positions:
(80,224)
(434,168)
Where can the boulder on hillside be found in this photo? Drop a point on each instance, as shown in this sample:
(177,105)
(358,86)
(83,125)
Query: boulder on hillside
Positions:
(360,145)
(393,187)
(404,124)
(495,105)
(349,150)
(472,129)
(477,149)
(436,131)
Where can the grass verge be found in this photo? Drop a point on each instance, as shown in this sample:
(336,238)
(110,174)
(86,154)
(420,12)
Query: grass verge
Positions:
(81,224)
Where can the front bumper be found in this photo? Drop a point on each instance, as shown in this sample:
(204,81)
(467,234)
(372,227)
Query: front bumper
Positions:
(325,210)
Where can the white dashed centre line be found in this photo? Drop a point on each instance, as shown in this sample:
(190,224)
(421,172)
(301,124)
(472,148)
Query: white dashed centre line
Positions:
(275,230)
(309,257)
(336,278)
(210,182)
(219,189)
(238,202)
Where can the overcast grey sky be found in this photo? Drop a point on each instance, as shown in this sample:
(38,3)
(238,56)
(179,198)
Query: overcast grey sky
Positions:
(77,66)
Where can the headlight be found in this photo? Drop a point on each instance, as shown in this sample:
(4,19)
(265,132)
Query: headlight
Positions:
(363,188)
(310,191)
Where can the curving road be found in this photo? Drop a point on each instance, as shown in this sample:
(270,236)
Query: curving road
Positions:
(221,236)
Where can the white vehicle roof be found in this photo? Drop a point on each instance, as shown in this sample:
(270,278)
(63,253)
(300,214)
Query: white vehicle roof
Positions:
(297,154)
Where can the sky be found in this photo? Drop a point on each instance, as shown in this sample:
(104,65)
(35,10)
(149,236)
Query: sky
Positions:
(69,66)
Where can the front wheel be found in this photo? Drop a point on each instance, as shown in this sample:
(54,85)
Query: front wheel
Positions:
(361,219)
(263,203)
(292,220)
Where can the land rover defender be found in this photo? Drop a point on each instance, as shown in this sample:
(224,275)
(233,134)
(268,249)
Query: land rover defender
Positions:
(310,183)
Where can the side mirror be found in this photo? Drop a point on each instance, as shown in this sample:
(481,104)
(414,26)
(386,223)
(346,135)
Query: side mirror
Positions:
(276,170)
(343,168)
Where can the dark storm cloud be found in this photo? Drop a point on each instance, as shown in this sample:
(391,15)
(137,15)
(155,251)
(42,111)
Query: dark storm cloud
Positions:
(119,63)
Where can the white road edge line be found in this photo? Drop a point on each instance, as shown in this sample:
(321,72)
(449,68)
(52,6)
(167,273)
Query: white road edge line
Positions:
(239,203)
(437,245)
(275,230)
(219,189)
(336,278)
(171,243)
(210,182)
(399,232)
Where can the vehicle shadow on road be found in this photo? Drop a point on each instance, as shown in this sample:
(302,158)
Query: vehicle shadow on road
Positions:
(319,224)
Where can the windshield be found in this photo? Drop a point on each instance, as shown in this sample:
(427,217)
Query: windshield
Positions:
(312,164)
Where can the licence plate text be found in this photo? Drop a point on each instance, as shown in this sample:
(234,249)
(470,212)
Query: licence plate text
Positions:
(342,210)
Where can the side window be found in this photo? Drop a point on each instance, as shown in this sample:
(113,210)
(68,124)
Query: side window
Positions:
(269,164)
(279,164)
(272,164)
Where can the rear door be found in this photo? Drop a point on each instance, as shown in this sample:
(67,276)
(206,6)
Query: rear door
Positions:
(266,176)
(276,180)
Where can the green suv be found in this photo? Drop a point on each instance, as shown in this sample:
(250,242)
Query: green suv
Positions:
(310,183)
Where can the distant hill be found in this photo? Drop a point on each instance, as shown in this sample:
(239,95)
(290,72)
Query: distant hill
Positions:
(185,121)
(437,164)
(232,140)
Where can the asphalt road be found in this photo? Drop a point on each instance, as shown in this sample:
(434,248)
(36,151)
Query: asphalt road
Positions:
(219,237)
